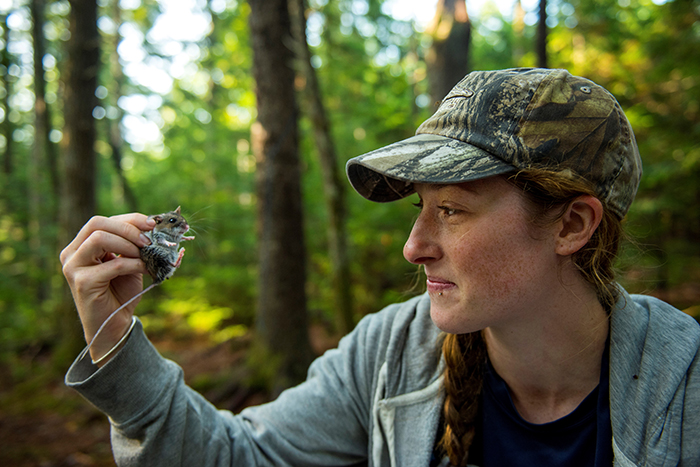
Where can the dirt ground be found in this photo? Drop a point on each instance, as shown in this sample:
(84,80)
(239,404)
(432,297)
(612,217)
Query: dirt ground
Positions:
(45,424)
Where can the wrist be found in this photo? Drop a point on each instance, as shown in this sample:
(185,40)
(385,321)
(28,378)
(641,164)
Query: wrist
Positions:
(107,355)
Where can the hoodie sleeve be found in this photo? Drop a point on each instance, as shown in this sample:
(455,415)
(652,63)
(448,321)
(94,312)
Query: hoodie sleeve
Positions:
(654,384)
(690,447)
(157,420)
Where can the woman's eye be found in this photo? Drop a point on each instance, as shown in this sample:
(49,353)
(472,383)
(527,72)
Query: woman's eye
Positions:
(448,211)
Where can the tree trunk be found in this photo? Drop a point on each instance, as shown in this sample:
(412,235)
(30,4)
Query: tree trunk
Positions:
(79,164)
(116,142)
(42,205)
(49,153)
(332,185)
(7,126)
(78,201)
(282,317)
(448,57)
(542,36)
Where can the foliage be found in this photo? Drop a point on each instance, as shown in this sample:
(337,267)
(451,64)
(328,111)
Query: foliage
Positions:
(186,105)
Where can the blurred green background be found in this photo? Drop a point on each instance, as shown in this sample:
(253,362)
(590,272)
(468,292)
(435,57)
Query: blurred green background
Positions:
(175,105)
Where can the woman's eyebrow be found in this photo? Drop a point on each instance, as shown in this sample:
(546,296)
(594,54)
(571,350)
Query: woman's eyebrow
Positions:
(469,187)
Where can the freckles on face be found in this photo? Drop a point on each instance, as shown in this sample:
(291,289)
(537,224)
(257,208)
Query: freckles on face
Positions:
(482,263)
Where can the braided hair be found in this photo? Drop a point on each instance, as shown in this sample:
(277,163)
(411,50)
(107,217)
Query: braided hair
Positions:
(465,357)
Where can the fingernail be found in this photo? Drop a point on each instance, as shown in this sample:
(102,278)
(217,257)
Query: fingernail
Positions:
(145,240)
(151,221)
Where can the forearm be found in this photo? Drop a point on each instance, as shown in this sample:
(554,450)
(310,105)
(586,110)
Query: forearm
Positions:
(146,399)
(158,421)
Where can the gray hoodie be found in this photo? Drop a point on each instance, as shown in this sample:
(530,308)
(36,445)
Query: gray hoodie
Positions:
(375,400)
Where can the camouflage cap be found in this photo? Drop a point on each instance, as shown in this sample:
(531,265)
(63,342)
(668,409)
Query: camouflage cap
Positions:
(495,122)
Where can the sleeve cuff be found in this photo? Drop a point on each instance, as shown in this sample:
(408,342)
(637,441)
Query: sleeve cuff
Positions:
(131,382)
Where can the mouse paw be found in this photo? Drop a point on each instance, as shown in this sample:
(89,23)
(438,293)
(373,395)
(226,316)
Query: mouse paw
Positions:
(180,254)
(164,242)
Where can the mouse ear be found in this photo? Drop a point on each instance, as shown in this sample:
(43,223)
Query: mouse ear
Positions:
(178,210)
(158,218)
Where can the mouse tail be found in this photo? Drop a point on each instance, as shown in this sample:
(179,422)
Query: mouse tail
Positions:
(87,349)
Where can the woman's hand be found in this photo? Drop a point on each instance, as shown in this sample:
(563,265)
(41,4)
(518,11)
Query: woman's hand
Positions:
(104,270)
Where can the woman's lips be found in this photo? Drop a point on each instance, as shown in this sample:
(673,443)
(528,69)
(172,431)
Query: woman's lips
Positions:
(439,285)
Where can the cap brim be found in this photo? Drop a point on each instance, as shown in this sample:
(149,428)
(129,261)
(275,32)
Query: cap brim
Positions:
(388,173)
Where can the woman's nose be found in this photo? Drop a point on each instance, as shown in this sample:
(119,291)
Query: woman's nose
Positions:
(421,246)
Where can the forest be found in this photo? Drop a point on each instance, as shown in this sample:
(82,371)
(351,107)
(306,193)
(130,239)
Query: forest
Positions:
(244,113)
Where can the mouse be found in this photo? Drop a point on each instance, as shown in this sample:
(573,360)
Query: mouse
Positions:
(162,258)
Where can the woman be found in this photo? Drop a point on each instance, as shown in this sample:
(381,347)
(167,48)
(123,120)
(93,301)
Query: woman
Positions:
(523,177)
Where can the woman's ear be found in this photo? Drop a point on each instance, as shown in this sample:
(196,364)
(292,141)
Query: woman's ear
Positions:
(578,224)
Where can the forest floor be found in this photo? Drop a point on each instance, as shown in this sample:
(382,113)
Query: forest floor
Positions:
(43,423)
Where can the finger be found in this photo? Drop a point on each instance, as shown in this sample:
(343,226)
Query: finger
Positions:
(109,257)
(99,246)
(86,281)
(102,248)
(140,221)
(128,226)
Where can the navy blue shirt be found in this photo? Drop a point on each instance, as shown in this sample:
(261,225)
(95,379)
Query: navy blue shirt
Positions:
(503,438)
(581,439)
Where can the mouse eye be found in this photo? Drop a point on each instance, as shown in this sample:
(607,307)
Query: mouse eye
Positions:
(172,220)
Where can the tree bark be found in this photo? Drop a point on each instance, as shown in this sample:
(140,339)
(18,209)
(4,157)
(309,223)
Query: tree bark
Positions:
(333,187)
(282,316)
(116,142)
(7,126)
(42,203)
(79,161)
(448,57)
(43,126)
(78,201)
(542,36)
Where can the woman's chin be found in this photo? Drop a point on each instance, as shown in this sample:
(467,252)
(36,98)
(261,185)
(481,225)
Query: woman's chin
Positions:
(451,320)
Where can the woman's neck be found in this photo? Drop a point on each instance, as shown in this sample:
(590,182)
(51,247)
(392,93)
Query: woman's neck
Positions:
(553,361)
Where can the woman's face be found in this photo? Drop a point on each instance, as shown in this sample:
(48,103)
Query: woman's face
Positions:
(485,264)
